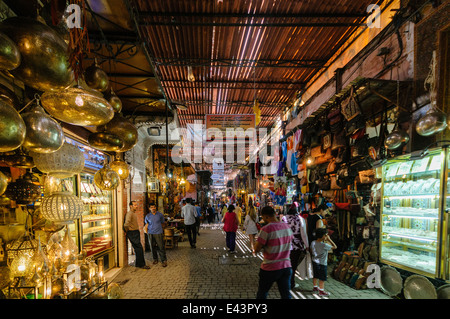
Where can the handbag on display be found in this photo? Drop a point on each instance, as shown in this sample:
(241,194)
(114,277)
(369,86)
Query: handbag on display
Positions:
(333,183)
(317,151)
(343,155)
(324,183)
(356,124)
(339,140)
(326,141)
(350,106)
(331,168)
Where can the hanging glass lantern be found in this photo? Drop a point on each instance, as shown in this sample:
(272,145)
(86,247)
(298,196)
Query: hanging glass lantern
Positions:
(121,168)
(25,190)
(106,178)
(65,162)
(20,254)
(69,248)
(40,260)
(61,207)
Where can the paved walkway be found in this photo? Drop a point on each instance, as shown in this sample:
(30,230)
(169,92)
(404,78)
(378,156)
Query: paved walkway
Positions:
(210,272)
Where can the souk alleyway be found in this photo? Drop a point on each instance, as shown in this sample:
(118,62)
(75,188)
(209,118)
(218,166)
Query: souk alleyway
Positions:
(210,272)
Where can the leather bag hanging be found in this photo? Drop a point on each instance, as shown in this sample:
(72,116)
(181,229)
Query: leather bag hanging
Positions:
(350,107)
(339,140)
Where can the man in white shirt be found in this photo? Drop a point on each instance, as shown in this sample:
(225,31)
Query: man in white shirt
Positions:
(188,212)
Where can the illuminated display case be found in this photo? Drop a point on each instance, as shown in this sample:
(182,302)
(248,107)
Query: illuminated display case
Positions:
(94,231)
(413,213)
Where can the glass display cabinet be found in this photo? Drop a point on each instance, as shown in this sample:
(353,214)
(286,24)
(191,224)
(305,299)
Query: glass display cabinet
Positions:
(94,231)
(413,213)
(96,226)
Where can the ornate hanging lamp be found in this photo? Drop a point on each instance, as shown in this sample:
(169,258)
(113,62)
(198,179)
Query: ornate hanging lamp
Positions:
(106,178)
(65,162)
(25,190)
(43,133)
(61,207)
(120,167)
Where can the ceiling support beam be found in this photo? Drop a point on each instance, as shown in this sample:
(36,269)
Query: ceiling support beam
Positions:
(200,62)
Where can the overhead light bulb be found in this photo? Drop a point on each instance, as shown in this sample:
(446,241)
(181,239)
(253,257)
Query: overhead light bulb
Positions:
(191,77)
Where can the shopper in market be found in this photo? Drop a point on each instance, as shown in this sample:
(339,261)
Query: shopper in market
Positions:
(230,226)
(250,225)
(315,221)
(188,212)
(198,216)
(155,223)
(133,233)
(300,242)
(274,240)
(238,211)
(319,251)
(210,214)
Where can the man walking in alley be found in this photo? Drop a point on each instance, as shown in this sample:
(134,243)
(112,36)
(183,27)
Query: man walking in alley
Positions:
(274,240)
(131,228)
(188,212)
(156,222)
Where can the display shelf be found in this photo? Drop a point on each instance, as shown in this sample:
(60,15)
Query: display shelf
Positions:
(96,221)
(436,195)
(410,245)
(411,212)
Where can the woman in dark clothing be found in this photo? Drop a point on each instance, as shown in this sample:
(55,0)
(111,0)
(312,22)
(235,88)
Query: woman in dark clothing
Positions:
(314,220)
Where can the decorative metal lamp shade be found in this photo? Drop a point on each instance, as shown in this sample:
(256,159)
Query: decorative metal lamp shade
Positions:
(65,162)
(121,168)
(62,207)
(20,254)
(24,190)
(3,183)
(106,178)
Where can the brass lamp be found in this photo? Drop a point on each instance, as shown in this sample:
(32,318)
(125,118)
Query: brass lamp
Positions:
(121,168)
(106,178)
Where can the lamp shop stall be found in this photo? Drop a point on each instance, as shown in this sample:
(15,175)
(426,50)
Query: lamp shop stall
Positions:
(58,183)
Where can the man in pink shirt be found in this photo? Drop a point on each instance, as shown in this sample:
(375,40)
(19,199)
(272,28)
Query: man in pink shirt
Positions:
(274,240)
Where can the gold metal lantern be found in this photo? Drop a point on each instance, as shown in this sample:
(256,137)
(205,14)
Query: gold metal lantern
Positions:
(43,133)
(44,62)
(9,53)
(78,106)
(123,128)
(12,128)
(121,168)
(106,178)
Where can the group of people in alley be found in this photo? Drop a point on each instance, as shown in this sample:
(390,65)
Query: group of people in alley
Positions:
(284,240)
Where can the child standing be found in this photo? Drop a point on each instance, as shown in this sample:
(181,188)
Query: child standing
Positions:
(319,250)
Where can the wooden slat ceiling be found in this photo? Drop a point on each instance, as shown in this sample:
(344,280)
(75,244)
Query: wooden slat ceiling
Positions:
(242,50)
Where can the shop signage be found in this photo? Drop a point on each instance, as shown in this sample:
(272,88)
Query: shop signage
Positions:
(228,124)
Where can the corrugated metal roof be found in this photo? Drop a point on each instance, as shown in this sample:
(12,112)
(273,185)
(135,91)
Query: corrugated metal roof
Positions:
(242,50)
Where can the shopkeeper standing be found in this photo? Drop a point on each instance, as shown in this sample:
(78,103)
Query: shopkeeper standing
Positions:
(131,227)
(155,223)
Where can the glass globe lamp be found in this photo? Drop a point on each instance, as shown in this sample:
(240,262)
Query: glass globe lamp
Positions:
(61,207)
(106,178)
(121,168)
(65,162)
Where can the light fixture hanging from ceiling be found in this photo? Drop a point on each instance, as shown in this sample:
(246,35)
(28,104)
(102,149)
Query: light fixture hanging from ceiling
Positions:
(191,77)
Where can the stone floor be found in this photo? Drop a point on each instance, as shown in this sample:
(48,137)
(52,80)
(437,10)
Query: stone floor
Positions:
(210,272)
